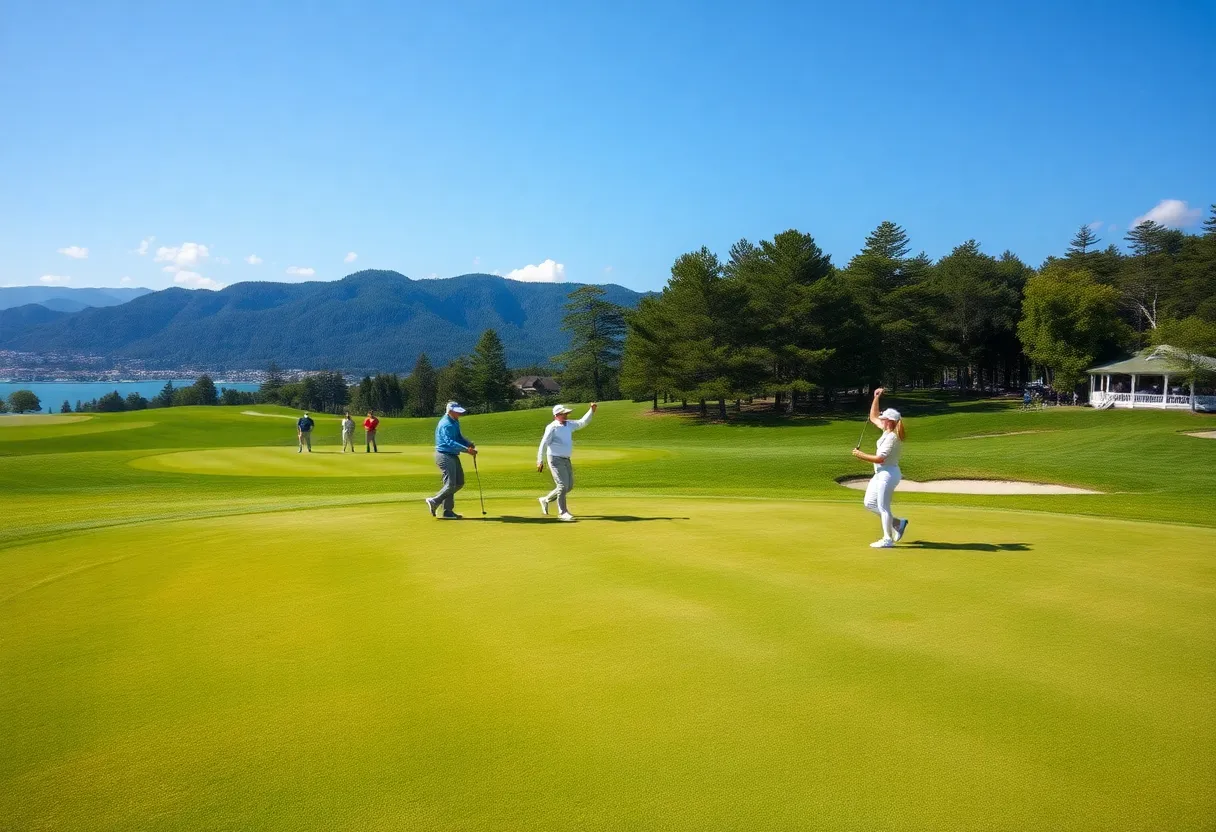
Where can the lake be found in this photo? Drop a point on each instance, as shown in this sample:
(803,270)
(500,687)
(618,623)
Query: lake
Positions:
(53,394)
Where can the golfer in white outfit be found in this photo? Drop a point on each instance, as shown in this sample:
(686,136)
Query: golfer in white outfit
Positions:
(558,444)
(886,472)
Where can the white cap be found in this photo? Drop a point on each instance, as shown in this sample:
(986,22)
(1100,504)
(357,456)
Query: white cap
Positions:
(305,415)
(455,407)
(561,408)
(891,414)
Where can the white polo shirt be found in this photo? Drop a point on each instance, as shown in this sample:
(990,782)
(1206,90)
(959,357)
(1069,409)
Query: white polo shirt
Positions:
(559,439)
(889,448)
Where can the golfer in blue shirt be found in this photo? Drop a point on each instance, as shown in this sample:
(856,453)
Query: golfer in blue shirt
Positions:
(304,433)
(449,445)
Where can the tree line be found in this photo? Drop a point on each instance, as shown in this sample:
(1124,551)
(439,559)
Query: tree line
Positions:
(778,318)
(481,381)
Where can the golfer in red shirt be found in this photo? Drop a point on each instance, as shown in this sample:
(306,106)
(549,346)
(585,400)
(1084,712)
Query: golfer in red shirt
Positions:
(370,424)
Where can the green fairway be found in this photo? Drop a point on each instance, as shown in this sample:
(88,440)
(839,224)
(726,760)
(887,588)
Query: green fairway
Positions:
(201,628)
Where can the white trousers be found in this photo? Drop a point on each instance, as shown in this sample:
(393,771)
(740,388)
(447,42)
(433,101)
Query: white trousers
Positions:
(878,498)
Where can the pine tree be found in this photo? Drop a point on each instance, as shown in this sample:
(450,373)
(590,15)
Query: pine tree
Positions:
(1084,240)
(163,399)
(597,331)
(205,389)
(423,387)
(66,407)
(453,382)
(888,240)
(489,378)
(269,391)
(1209,225)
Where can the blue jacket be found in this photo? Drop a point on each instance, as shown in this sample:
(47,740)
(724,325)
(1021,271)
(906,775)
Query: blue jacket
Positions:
(448,438)
(304,424)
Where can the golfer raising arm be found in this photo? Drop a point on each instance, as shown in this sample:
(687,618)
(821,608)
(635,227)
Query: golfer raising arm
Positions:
(449,445)
(886,472)
(558,443)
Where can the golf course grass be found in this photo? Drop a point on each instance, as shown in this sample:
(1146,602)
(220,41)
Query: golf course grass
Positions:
(202,629)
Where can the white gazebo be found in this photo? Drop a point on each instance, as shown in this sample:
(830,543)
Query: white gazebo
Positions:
(1144,381)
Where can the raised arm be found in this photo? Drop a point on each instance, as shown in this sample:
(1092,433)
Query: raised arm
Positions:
(875,408)
(582,423)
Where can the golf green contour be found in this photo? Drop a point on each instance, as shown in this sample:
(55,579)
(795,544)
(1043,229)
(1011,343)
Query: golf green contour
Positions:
(202,628)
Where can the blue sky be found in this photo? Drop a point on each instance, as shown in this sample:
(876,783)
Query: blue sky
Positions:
(446,138)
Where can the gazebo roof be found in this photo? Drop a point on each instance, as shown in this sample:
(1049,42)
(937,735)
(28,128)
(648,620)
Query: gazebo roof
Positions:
(1155,361)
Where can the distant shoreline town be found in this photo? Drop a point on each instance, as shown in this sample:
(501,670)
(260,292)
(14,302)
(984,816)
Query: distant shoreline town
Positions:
(82,368)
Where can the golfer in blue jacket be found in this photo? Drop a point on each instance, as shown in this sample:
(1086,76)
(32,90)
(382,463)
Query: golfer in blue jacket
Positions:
(449,445)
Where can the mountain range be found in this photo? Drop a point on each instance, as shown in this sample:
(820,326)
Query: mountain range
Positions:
(64,298)
(369,321)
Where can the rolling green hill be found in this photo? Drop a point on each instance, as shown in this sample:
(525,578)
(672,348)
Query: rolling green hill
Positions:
(202,628)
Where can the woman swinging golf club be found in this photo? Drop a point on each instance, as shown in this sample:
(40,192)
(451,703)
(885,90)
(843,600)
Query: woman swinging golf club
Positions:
(886,471)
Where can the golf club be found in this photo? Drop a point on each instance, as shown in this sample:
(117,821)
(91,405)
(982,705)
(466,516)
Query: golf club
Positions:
(480,493)
(862,435)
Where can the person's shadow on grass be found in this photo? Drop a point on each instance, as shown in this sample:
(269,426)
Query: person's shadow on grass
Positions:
(968,547)
(611,518)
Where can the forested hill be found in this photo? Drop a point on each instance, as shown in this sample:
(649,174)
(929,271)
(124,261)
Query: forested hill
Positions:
(368,321)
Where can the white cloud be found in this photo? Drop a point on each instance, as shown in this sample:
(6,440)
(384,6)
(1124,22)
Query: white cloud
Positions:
(607,269)
(1094,226)
(350,257)
(253,260)
(183,257)
(302,271)
(194,280)
(126,281)
(1172,213)
(546,272)
(223,261)
(143,246)
(431,276)
(54,279)
(75,252)
(1112,227)
(476,261)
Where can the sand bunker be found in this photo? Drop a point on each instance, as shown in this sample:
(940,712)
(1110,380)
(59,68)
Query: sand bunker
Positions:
(973,487)
(1204,434)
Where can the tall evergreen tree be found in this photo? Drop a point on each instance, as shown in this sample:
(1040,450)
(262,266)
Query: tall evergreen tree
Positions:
(66,407)
(1082,242)
(162,399)
(423,388)
(489,378)
(888,241)
(269,390)
(205,388)
(647,358)
(1209,225)
(597,330)
(453,382)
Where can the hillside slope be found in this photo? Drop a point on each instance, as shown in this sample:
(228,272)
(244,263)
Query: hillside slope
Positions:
(370,320)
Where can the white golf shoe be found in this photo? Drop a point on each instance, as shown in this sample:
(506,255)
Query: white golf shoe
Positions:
(885,543)
(900,528)
(544,506)
(566,517)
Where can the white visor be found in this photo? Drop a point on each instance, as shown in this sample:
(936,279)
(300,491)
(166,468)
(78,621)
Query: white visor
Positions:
(891,414)
(561,408)
(455,408)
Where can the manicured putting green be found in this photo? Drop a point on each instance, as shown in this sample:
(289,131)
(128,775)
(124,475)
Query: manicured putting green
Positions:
(663,663)
(391,461)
